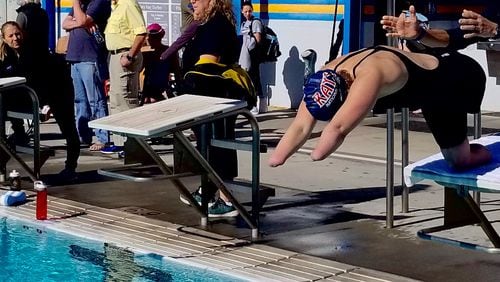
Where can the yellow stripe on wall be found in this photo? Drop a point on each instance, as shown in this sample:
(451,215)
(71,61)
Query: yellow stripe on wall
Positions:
(300,8)
(67,3)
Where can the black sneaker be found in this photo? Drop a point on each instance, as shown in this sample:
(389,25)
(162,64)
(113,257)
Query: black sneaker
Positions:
(68,175)
(197,197)
(222,209)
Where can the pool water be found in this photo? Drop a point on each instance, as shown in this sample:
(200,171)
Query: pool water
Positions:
(29,253)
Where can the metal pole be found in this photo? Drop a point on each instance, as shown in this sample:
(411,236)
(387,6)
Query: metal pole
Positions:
(391,7)
(477,134)
(405,124)
(3,163)
(390,170)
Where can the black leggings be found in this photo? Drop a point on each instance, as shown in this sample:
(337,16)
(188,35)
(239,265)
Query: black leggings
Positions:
(61,102)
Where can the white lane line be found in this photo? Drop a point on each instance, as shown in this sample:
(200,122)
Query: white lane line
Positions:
(353,157)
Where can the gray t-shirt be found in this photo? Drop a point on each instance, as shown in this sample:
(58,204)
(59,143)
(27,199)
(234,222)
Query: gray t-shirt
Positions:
(248,41)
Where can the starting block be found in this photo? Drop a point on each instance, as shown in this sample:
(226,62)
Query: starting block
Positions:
(460,209)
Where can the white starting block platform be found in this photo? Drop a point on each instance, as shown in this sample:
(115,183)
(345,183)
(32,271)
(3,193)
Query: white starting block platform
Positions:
(7,84)
(171,117)
(460,209)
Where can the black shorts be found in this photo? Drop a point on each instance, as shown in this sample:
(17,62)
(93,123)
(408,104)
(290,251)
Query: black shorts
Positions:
(457,91)
(448,128)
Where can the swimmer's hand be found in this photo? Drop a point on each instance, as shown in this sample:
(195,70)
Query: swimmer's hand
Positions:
(275,161)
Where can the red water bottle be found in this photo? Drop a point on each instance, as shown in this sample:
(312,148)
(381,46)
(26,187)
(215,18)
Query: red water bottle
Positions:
(41,200)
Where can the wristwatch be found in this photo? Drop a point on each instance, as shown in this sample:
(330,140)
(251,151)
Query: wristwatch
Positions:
(421,34)
(130,58)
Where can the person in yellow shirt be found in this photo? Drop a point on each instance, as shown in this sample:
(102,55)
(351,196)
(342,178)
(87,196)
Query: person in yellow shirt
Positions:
(125,35)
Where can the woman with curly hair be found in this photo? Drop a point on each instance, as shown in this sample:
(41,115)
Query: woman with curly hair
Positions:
(215,41)
(215,38)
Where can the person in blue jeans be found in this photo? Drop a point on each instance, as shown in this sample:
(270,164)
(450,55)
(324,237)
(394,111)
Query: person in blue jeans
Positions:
(87,55)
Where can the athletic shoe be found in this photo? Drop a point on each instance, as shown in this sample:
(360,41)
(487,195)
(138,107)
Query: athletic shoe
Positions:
(254,111)
(112,149)
(197,197)
(222,209)
(121,154)
(45,113)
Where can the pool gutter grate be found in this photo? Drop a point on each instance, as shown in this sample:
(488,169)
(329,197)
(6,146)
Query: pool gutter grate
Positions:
(232,256)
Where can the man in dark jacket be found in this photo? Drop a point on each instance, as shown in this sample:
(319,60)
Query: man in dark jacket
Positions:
(36,60)
(34,22)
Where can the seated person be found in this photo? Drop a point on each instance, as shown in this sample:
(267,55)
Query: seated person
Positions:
(156,71)
(12,63)
(347,88)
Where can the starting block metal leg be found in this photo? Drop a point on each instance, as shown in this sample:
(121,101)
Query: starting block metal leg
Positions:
(215,179)
(3,157)
(405,156)
(167,171)
(390,170)
(460,210)
(34,173)
(477,134)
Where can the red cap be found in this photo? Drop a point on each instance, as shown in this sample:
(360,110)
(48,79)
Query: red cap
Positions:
(154,28)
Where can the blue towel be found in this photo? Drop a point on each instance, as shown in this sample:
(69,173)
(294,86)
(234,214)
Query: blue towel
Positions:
(436,168)
(11,198)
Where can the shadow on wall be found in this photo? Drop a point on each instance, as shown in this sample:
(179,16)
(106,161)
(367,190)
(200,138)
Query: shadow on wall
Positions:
(268,78)
(293,77)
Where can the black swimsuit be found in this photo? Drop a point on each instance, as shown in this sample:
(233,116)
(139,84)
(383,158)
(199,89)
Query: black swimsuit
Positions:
(445,94)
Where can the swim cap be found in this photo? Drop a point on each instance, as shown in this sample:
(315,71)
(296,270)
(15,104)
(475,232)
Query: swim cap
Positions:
(324,92)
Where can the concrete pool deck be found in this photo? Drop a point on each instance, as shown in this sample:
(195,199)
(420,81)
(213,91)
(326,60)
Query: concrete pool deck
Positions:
(331,211)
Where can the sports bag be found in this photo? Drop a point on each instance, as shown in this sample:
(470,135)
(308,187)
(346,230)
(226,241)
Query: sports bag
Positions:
(209,78)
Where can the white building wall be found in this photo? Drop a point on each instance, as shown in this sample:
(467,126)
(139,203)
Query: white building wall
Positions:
(491,100)
(283,80)
(8,10)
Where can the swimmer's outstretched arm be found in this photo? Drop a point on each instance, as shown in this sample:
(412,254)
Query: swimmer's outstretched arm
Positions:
(359,102)
(295,136)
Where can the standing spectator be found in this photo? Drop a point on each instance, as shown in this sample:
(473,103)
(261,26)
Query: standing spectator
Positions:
(215,41)
(34,22)
(14,63)
(88,57)
(156,71)
(251,31)
(125,35)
